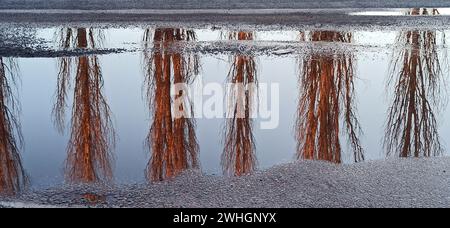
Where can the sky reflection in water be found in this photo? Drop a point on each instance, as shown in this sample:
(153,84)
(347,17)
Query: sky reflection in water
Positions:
(98,118)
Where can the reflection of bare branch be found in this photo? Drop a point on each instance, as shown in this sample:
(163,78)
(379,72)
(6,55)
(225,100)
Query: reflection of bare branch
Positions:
(238,157)
(163,40)
(68,39)
(327,84)
(92,135)
(12,175)
(416,71)
(171,140)
(63,82)
(422,12)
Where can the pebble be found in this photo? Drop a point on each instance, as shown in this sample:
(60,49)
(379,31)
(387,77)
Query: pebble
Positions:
(307,184)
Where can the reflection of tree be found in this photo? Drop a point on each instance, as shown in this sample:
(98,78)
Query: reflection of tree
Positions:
(422,12)
(12,175)
(92,135)
(238,156)
(172,139)
(416,73)
(327,95)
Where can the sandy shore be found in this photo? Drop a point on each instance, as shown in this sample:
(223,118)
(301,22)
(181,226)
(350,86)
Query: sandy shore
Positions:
(394,183)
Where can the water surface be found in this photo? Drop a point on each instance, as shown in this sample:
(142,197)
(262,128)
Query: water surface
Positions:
(344,97)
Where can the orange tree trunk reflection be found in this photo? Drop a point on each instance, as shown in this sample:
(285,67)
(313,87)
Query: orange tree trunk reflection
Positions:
(411,128)
(238,157)
(172,138)
(12,175)
(326,97)
(92,137)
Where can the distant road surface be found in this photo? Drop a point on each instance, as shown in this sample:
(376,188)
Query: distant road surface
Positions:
(217,4)
(221,13)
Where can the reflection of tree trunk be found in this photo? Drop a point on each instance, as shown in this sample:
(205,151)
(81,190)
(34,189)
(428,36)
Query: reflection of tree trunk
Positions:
(327,95)
(12,175)
(238,157)
(411,126)
(83,81)
(92,136)
(172,139)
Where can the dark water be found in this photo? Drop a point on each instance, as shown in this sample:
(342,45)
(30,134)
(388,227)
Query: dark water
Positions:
(347,96)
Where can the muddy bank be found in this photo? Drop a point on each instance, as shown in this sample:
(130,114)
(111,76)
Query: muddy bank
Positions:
(394,183)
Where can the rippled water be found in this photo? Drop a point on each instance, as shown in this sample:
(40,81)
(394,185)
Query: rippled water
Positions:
(344,97)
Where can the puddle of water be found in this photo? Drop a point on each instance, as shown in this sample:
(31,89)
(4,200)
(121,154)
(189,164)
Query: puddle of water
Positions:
(405,12)
(97,117)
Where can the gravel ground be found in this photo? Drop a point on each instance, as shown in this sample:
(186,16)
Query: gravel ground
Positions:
(394,183)
(262,14)
(248,21)
(17,46)
(216,4)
